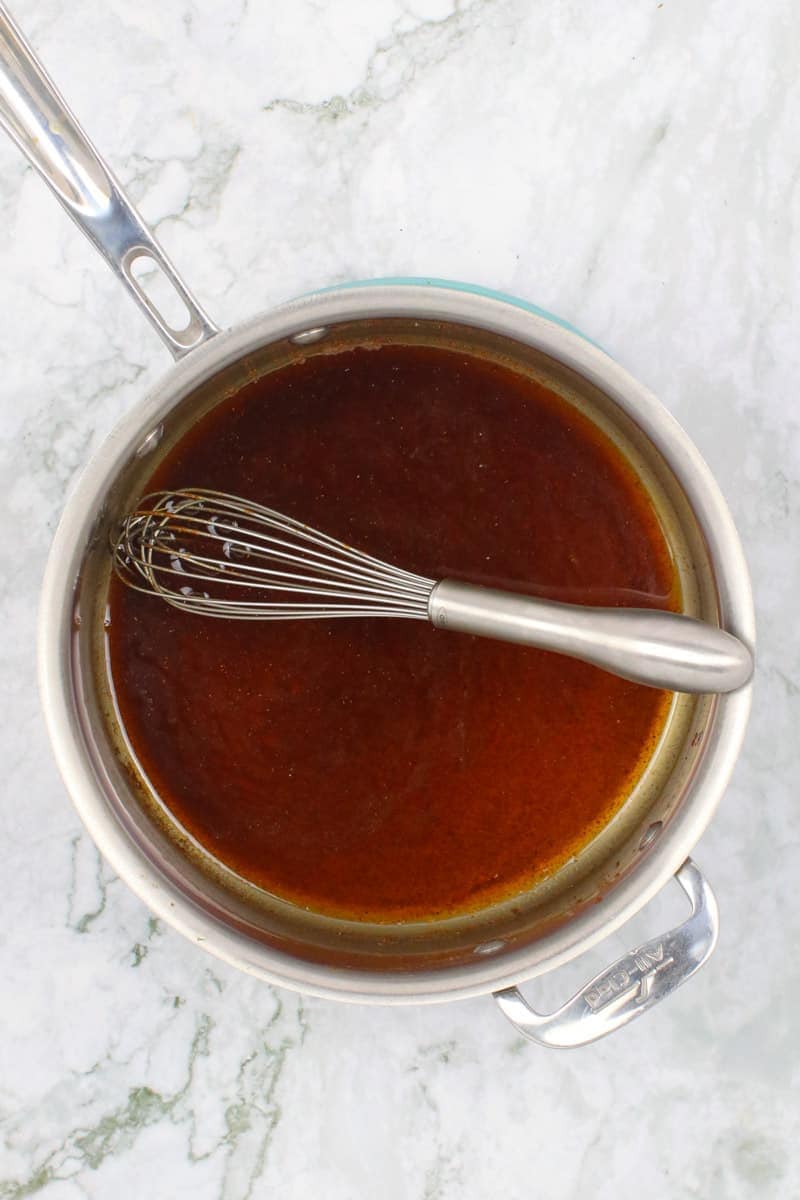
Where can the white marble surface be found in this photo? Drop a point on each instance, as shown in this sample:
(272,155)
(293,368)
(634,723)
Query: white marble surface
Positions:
(632,166)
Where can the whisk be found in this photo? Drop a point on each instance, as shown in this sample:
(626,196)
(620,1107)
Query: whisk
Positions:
(214,554)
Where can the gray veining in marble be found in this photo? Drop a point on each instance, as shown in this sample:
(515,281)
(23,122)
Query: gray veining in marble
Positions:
(634,167)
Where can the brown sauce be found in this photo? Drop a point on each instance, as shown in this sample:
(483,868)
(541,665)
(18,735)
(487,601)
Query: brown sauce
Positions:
(384,769)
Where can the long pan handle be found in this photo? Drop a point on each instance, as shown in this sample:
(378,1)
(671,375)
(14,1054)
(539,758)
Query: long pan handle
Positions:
(36,117)
(661,649)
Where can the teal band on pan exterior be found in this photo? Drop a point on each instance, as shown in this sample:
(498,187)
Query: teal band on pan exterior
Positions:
(456,285)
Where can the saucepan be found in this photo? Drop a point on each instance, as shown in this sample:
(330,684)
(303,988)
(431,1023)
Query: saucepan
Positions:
(645,846)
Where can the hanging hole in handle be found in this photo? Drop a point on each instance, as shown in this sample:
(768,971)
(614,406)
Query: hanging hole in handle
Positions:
(156,286)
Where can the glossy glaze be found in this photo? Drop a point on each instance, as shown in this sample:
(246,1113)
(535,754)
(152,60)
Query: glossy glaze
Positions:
(383,769)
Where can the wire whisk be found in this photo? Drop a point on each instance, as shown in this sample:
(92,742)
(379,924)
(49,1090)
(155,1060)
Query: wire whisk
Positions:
(209,552)
(218,555)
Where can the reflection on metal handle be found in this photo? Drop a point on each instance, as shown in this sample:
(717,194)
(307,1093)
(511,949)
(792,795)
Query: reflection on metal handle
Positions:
(661,649)
(33,113)
(633,984)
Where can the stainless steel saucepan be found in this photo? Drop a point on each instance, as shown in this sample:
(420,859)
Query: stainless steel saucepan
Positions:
(491,951)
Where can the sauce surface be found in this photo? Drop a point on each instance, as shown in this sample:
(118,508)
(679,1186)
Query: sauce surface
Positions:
(382,769)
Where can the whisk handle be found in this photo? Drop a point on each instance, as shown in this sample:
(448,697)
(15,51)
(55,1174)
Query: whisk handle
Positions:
(661,649)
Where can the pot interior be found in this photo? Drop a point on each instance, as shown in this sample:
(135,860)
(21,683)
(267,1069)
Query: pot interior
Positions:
(505,927)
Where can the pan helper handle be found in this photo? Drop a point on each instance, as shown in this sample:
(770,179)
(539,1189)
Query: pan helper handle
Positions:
(661,649)
(36,117)
(630,986)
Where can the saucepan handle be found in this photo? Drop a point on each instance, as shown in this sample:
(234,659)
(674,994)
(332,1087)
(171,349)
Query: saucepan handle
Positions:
(635,982)
(36,117)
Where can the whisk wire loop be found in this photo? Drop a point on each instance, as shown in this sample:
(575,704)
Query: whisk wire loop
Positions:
(210,552)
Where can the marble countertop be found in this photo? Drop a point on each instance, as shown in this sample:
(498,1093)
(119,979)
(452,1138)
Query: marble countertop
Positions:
(633,167)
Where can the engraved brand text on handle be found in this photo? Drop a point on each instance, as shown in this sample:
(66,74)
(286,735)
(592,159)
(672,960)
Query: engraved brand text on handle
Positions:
(638,970)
